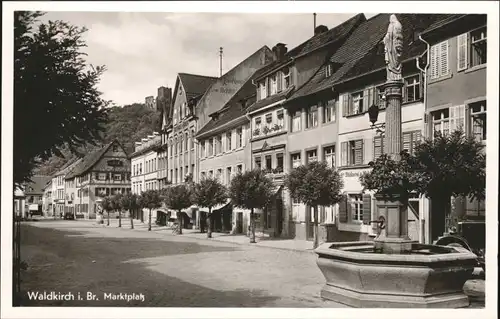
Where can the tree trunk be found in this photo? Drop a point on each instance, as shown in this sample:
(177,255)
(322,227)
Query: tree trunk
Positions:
(108,218)
(179,218)
(316,228)
(252,228)
(120,218)
(131,218)
(209,222)
(149,220)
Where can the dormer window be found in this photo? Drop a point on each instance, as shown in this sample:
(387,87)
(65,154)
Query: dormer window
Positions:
(287,81)
(180,90)
(328,70)
(263,89)
(274,84)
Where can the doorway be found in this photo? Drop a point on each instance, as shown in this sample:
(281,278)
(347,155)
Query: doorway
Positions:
(279,217)
(309,224)
(239,222)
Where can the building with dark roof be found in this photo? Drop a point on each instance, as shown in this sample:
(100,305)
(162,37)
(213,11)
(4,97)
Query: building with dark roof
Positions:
(456,97)
(105,171)
(59,188)
(34,192)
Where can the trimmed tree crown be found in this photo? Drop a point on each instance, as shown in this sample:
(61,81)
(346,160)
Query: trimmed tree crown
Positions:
(209,192)
(150,199)
(315,184)
(251,189)
(177,197)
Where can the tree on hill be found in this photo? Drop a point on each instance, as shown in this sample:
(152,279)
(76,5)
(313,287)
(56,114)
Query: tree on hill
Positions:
(56,101)
(209,192)
(315,184)
(250,190)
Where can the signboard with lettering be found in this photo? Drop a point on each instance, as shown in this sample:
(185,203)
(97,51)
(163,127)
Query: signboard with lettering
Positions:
(115,163)
(353,173)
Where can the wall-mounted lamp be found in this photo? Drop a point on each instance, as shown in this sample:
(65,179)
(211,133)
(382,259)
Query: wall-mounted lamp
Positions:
(373,115)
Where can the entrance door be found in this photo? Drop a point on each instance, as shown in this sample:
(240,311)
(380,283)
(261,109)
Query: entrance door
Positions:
(309,224)
(279,216)
(239,223)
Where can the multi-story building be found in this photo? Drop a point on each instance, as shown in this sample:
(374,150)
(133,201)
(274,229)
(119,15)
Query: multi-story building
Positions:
(275,128)
(144,164)
(103,172)
(47,203)
(33,192)
(456,94)
(58,187)
(339,98)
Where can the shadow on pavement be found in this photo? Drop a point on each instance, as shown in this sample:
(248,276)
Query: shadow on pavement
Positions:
(61,264)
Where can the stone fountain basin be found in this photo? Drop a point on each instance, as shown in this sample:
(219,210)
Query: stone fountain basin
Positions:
(430,276)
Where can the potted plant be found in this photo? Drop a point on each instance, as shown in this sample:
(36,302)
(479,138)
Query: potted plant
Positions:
(277,127)
(256,132)
(266,130)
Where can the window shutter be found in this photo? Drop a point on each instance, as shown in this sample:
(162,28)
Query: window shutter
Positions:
(366,100)
(428,125)
(367,209)
(343,210)
(358,145)
(343,154)
(407,141)
(444,63)
(377,147)
(434,61)
(280,81)
(376,97)
(453,118)
(460,115)
(345,105)
(462,52)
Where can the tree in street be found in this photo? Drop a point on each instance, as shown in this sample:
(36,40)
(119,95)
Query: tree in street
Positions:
(118,205)
(130,202)
(315,184)
(107,205)
(55,86)
(250,190)
(178,197)
(150,199)
(451,165)
(209,192)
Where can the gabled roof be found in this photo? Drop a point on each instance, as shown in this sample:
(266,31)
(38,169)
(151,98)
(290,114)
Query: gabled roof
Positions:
(232,110)
(68,166)
(335,34)
(440,23)
(90,160)
(360,55)
(195,85)
(37,185)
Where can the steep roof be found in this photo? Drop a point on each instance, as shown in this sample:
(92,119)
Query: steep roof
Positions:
(360,53)
(232,110)
(195,85)
(90,160)
(335,34)
(37,185)
(438,24)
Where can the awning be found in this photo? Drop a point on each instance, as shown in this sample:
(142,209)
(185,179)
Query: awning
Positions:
(189,211)
(33,207)
(217,207)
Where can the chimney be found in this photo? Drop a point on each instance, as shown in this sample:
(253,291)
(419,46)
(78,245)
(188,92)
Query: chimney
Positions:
(320,29)
(314,15)
(279,51)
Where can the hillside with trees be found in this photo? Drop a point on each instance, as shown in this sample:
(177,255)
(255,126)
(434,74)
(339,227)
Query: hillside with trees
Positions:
(127,124)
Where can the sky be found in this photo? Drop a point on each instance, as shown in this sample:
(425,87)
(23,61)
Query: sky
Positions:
(143,51)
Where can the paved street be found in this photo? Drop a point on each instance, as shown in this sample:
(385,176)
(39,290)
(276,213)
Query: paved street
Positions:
(171,271)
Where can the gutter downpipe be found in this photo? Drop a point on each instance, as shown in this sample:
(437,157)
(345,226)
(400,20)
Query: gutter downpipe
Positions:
(424,230)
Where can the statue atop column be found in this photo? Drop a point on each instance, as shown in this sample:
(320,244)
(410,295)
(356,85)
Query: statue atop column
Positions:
(393,42)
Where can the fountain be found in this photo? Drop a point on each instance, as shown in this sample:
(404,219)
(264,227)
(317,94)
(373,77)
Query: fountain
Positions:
(393,271)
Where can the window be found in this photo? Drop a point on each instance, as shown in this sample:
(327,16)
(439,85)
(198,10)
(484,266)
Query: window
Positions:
(101,176)
(411,90)
(203,175)
(448,120)
(268,161)
(192,139)
(203,149)
(228,174)
(296,162)
(478,47)
(356,202)
(239,139)
(329,153)
(296,121)
(352,153)
(410,140)
(280,117)
(328,70)
(439,60)
(219,174)
(329,111)
(287,81)
(263,89)
(239,168)
(274,84)
(312,156)
(312,116)
(140,168)
(279,162)
(219,144)
(115,148)
(192,169)
(211,147)
(229,136)
(117,177)
(478,120)
(357,103)
(181,175)
(258,163)
(258,123)
(186,141)
(269,118)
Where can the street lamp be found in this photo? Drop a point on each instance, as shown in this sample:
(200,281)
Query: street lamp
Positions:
(373,112)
